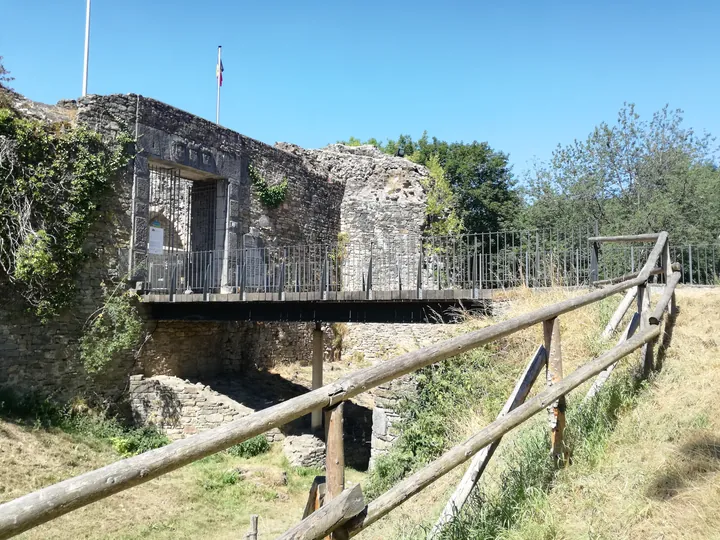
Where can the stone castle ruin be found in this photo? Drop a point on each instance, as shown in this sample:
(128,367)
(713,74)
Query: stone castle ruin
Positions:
(187,192)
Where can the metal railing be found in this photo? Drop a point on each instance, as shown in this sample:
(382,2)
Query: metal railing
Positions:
(700,263)
(403,262)
(541,258)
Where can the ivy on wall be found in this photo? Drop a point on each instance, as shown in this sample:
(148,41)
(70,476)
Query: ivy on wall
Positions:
(270,196)
(53,181)
(114,329)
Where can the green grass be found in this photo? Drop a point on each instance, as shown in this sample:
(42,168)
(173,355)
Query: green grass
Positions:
(90,426)
(447,393)
(529,473)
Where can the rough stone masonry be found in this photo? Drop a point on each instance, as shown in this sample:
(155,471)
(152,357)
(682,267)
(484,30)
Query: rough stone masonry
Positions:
(357,191)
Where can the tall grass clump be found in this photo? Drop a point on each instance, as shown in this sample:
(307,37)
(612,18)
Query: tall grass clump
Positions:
(528,473)
(252,447)
(446,394)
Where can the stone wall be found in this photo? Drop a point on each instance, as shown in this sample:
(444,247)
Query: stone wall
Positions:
(180,408)
(383,206)
(43,357)
(372,198)
(201,149)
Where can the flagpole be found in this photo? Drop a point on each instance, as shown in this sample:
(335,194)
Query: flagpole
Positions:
(87,49)
(218,74)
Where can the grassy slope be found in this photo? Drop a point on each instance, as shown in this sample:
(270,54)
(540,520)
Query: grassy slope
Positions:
(659,473)
(666,442)
(580,341)
(204,500)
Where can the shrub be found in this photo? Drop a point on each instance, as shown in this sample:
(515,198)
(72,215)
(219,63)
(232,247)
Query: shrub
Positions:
(250,448)
(115,329)
(79,420)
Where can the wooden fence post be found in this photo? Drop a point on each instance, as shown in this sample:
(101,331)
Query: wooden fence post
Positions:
(253,533)
(643,308)
(556,411)
(334,451)
(335,458)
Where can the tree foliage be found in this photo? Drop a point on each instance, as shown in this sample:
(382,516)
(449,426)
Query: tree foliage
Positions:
(4,75)
(632,177)
(53,179)
(471,187)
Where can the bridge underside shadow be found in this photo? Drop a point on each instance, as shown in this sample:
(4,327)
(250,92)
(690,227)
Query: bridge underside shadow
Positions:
(259,389)
(357,311)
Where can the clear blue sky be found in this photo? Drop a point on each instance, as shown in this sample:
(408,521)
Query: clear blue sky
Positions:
(523,76)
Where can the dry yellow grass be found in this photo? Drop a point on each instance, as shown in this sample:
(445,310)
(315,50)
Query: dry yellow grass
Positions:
(192,502)
(659,475)
(580,331)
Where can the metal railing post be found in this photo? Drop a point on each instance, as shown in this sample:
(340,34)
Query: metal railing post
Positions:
(594,269)
(418,285)
(690,263)
(368,290)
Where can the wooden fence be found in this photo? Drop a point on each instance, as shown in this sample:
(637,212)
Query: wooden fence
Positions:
(344,512)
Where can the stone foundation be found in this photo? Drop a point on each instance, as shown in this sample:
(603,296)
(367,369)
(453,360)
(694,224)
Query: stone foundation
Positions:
(180,408)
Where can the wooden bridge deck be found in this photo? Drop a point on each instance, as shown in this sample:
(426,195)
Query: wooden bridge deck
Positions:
(445,306)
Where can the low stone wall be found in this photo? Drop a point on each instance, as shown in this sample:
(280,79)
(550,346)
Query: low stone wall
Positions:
(180,408)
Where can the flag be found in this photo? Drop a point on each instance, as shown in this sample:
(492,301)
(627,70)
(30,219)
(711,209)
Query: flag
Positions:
(219,72)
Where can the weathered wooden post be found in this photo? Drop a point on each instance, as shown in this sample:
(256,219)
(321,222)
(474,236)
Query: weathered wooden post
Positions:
(334,451)
(253,533)
(554,371)
(317,373)
(335,458)
(643,308)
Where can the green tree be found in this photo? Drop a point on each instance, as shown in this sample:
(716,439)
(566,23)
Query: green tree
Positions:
(4,75)
(632,177)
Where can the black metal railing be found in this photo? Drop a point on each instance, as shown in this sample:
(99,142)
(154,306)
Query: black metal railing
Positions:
(468,262)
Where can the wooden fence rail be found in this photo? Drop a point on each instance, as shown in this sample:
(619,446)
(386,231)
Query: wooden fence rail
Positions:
(48,503)
(462,452)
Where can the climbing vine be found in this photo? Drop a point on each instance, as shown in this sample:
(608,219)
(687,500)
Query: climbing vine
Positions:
(271,196)
(53,181)
(114,329)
